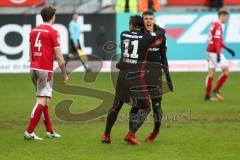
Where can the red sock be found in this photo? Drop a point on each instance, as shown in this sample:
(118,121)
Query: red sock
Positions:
(209,85)
(35,117)
(47,120)
(221,80)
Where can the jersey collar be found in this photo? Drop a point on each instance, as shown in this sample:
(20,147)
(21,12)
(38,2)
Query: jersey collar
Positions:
(47,24)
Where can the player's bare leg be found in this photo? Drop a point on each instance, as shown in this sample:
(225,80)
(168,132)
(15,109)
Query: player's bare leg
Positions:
(222,78)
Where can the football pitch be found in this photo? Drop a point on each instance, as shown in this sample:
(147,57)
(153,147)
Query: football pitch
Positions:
(192,129)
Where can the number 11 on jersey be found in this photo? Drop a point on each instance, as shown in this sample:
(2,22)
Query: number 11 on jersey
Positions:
(127,43)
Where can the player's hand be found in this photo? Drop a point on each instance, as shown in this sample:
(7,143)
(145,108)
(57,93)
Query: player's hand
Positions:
(65,79)
(169,81)
(230,51)
(218,58)
(170,85)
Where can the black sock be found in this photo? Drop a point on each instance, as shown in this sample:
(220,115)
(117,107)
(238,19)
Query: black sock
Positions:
(138,120)
(138,115)
(113,114)
(157,113)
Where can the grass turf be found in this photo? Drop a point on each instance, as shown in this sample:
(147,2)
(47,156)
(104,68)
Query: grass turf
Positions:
(192,128)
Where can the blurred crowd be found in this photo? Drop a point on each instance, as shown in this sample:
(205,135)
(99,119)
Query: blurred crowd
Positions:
(154,5)
(137,5)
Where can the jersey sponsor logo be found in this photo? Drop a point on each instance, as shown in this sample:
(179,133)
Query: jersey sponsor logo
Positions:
(218,32)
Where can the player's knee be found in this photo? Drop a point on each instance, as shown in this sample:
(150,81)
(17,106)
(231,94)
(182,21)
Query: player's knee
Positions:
(156,103)
(47,101)
(42,100)
(157,111)
(143,112)
(210,75)
(211,72)
(226,71)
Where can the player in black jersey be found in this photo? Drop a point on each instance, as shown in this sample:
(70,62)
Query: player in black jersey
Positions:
(134,45)
(157,61)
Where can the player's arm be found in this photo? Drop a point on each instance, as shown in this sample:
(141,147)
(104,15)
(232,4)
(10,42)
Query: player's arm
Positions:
(217,40)
(217,36)
(58,54)
(61,62)
(119,64)
(223,45)
(30,52)
(228,49)
(219,44)
(164,60)
(164,63)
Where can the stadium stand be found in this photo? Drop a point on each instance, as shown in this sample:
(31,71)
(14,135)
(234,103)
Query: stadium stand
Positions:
(111,6)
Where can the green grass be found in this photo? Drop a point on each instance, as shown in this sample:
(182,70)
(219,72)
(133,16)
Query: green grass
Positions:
(192,129)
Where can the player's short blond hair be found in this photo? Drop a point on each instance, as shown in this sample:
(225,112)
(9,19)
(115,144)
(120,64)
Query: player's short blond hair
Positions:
(223,11)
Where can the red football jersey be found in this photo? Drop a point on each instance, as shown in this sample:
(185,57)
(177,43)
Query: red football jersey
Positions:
(215,38)
(43,40)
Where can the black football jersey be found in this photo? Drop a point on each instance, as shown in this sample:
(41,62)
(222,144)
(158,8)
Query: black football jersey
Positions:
(156,53)
(134,46)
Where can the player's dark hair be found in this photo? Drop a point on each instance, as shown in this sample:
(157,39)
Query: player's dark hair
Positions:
(149,13)
(136,21)
(47,13)
(223,12)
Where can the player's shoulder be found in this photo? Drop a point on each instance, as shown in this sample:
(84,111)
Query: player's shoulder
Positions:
(45,28)
(134,34)
(52,30)
(36,28)
(125,32)
(159,29)
(217,24)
